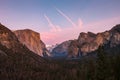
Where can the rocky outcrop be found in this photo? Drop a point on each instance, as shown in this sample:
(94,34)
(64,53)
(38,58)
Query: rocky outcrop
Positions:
(8,39)
(86,37)
(11,46)
(73,47)
(51,47)
(32,40)
(61,50)
(115,36)
(89,42)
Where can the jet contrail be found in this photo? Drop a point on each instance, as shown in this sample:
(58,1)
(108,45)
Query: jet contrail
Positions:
(54,27)
(64,15)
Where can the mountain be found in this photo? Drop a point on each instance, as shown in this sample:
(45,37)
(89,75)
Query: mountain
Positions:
(10,42)
(10,46)
(8,39)
(89,42)
(51,47)
(16,60)
(32,40)
(61,49)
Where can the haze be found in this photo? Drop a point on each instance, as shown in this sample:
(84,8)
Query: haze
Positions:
(59,20)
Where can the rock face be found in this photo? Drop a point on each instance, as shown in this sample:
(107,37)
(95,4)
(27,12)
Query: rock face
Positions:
(85,42)
(12,47)
(73,47)
(51,47)
(115,36)
(15,58)
(61,50)
(89,42)
(8,39)
(32,40)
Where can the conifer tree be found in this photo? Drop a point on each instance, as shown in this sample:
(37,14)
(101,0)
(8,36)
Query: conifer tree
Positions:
(101,64)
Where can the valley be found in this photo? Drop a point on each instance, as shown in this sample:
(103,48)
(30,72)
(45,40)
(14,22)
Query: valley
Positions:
(99,60)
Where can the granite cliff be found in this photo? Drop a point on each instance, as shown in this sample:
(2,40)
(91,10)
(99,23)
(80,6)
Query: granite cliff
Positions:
(32,40)
(8,39)
(89,42)
(11,47)
(61,50)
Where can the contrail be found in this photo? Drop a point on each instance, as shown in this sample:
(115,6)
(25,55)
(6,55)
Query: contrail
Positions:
(54,27)
(64,15)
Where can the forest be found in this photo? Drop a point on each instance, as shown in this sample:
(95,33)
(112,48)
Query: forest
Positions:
(20,67)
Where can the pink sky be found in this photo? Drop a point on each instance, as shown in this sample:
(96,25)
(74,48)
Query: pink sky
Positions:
(60,20)
(58,36)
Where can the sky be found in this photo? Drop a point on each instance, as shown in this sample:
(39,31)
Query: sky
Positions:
(60,20)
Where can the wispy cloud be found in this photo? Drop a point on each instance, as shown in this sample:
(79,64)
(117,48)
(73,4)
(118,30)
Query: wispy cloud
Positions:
(53,27)
(73,33)
(56,34)
(79,23)
(67,18)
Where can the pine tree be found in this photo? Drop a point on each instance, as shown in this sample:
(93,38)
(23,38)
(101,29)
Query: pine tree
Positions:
(101,64)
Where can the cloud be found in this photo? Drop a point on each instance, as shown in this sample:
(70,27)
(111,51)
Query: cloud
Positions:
(67,18)
(80,23)
(53,27)
(60,36)
(57,35)
(73,32)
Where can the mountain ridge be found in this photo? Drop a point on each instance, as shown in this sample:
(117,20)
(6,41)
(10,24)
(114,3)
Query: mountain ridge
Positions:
(89,42)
